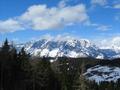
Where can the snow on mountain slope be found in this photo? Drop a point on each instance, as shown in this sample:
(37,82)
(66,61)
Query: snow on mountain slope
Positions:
(72,47)
(59,48)
(103,73)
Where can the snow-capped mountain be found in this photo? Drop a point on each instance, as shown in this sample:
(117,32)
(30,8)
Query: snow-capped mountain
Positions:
(103,73)
(69,48)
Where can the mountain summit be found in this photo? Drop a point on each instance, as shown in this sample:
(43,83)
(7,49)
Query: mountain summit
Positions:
(68,48)
(59,48)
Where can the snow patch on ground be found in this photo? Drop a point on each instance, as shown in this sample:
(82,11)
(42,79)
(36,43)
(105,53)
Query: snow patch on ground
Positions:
(103,73)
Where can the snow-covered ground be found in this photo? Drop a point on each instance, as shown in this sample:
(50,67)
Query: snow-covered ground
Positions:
(103,73)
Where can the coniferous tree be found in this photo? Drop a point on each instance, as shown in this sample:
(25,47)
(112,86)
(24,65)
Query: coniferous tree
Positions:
(43,76)
(80,82)
(24,70)
(5,50)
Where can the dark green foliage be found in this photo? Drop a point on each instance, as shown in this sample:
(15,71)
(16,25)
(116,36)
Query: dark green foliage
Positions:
(43,76)
(19,71)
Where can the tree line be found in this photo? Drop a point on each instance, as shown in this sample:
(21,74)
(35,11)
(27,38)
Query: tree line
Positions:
(20,71)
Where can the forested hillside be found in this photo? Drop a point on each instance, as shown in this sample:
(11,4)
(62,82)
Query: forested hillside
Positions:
(20,71)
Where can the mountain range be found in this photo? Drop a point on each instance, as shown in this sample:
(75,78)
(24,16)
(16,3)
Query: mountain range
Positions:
(69,48)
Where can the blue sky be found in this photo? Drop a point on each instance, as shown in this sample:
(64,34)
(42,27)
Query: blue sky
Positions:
(24,20)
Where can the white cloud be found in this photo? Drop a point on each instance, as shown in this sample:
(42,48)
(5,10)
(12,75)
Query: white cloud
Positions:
(16,39)
(10,25)
(106,4)
(117,6)
(58,37)
(100,27)
(99,2)
(113,42)
(62,3)
(41,17)
(117,17)
(103,27)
